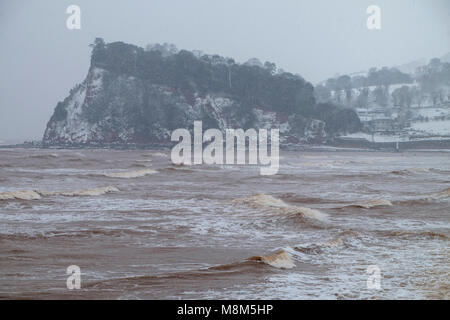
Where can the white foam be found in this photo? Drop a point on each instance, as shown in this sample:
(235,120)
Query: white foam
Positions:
(20,194)
(87,192)
(310,213)
(280,260)
(263,201)
(36,194)
(442,195)
(130,174)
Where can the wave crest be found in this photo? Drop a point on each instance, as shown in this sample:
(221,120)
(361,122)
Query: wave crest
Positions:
(20,195)
(37,194)
(344,239)
(86,192)
(44,156)
(130,174)
(280,260)
(267,202)
(442,194)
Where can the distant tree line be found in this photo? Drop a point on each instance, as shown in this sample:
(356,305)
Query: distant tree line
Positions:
(431,80)
(253,84)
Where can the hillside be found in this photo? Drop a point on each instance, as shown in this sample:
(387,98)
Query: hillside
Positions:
(393,105)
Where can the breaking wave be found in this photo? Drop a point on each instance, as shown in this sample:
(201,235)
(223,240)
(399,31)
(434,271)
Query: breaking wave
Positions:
(130,174)
(267,202)
(37,194)
(44,156)
(20,195)
(156,154)
(247,267)
(442,194)
(343,239)
(87,192)
(87,233)
(277,260)
(262,201)
(159,154)
(280,260)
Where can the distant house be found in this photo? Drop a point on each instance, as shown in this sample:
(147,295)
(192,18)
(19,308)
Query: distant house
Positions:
(376,120)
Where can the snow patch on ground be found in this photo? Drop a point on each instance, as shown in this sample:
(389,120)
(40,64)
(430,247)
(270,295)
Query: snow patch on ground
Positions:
(433,112)
(376,137)
(433,127)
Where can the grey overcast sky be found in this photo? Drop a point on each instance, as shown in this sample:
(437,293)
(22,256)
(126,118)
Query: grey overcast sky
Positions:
(41,60)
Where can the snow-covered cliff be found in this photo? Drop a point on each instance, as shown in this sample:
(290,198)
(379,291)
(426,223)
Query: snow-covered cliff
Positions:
(136,96)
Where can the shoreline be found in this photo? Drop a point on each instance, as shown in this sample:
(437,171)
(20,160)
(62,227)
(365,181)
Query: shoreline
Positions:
(410,146)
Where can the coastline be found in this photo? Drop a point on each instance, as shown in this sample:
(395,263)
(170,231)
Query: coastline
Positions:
(338,145)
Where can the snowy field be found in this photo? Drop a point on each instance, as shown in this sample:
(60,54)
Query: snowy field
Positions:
(377,137)
(433,112)
(433,127)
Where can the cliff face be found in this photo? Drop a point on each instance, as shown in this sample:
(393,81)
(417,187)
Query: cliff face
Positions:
(135,96)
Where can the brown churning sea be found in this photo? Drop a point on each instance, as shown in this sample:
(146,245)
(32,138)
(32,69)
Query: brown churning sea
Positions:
(140,227)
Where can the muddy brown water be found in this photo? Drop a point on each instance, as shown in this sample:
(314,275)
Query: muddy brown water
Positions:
(141,228)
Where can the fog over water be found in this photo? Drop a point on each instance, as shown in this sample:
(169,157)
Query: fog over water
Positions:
(41,60)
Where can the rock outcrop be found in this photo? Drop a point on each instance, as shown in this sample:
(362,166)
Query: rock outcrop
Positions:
(136,96)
